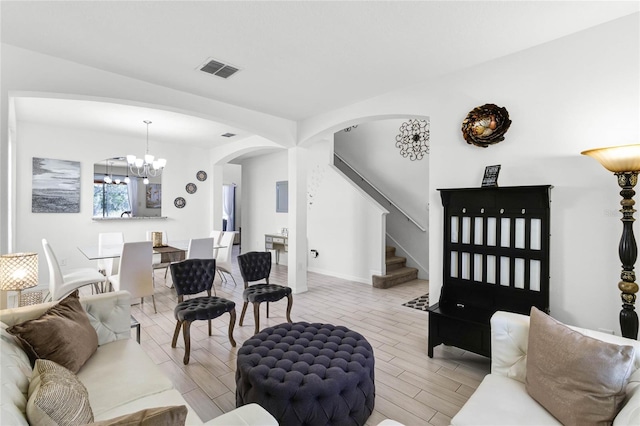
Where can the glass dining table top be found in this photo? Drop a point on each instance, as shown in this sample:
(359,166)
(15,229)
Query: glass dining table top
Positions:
(111,251)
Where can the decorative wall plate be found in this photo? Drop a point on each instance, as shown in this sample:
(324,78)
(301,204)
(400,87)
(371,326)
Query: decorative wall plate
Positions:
(191,188)
(179,202)
(486,125)
(201,175)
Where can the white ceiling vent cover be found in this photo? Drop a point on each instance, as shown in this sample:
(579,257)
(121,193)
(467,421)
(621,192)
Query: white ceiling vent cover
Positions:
(219,68)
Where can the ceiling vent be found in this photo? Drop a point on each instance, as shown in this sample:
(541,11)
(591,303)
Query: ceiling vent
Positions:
(228,135)
(215,67)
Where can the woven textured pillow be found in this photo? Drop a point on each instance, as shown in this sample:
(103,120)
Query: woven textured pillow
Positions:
(57,397)
(62,334)
(578,379)
(160,416)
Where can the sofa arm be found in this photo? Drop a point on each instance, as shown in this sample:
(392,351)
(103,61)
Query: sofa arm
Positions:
(110,315)
(509,342)
(247,415)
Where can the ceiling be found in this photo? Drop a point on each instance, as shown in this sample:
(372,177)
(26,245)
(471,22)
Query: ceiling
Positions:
(297,59)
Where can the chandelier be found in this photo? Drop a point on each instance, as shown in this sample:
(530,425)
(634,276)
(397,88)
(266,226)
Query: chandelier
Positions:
(146,166)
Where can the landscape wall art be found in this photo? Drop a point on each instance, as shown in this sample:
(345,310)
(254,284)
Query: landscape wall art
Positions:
(56,186)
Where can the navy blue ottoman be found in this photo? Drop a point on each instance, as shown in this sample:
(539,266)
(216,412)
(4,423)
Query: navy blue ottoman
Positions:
(308,374)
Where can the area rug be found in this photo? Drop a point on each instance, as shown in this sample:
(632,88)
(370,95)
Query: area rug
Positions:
(421,303)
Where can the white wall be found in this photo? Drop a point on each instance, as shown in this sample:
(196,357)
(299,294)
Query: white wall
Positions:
(344,224)
(371,149)
(66,231)
(259,217)
(565,96)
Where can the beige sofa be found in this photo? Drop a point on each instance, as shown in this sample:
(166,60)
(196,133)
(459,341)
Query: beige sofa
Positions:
(502,398)
(119,377)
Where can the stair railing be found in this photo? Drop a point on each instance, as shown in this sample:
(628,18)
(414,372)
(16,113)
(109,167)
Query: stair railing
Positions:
(364,179)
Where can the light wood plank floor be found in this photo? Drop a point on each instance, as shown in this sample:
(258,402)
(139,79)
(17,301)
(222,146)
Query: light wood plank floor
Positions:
(410,387)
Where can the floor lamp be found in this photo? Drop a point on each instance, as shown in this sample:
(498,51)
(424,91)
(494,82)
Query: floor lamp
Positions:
(18,271)
(624,162)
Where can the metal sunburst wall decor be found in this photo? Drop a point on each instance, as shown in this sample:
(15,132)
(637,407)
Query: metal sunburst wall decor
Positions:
(413,139)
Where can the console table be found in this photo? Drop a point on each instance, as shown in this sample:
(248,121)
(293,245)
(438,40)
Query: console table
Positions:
(277,242)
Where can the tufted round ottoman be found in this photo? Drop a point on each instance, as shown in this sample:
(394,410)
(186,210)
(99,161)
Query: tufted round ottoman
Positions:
(308,374)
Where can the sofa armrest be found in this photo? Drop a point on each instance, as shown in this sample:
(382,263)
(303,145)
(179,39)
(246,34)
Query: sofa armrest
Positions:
(509,343)
(109,314)
(247,415)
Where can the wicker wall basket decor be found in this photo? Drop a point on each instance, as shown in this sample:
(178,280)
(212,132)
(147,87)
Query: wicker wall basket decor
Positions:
(486,125)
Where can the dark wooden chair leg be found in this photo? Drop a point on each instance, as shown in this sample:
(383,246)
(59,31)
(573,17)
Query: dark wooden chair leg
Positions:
(176,334)
(186,326)
(267,309)
(256,316)
(209,327)
(232,323)
(289,305)
(244,310)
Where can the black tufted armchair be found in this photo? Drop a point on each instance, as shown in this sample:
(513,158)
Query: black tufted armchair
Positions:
(193,276)
(256,266)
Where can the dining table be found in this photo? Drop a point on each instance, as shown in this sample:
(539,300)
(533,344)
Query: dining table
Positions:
(174,251)
(171,252)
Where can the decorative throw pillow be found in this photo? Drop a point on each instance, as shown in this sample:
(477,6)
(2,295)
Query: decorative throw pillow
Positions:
(62,334)
(160,416)
(57,397)
(578,379)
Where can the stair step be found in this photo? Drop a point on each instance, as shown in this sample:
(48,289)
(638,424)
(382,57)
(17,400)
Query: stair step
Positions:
(395,262)
(398,276)
(389,251)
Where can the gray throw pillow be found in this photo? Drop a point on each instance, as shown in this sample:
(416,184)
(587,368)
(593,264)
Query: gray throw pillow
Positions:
(578,379)
(62,334)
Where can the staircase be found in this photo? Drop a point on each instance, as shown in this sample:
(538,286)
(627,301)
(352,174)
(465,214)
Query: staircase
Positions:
(397,270)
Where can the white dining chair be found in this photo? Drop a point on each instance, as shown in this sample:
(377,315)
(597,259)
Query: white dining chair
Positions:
(109,266)
(135,274)
(200,248)
(223,261)
(61,284)
(157,258)
(215,234)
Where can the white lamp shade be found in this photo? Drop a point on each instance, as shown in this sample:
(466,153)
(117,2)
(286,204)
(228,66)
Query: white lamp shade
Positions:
(161,163)
(139,162)
(131,159)
(625,158)
(148,158)
(18,271)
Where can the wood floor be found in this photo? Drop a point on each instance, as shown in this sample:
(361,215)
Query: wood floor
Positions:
(410,387)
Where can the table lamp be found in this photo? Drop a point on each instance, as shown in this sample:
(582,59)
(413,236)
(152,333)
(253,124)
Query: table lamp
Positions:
(624,162)
(18,271)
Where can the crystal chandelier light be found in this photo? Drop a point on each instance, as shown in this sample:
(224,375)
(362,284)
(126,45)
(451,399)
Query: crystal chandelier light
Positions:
(147,166)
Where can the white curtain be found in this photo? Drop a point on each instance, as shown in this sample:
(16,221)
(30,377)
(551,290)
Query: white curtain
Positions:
(229,206)
(132,188)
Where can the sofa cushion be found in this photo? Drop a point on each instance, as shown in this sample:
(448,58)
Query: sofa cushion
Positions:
(15,372)
(502,401)
(76,340)
(121,372)
(578,379)
(173,416)
(163,399)
(57,397)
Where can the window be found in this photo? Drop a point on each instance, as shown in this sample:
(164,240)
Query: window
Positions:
(110,199)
